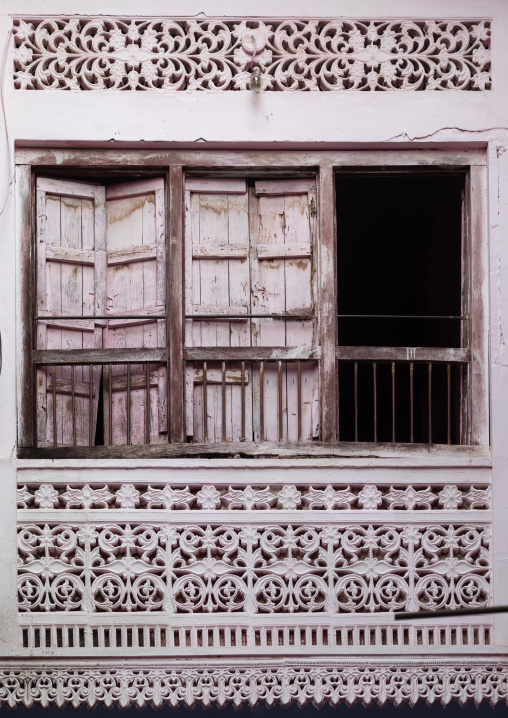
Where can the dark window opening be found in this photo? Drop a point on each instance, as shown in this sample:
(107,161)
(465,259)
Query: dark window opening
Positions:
(399,270)
(399,248)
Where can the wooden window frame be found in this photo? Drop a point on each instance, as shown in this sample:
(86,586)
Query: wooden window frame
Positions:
(174,165)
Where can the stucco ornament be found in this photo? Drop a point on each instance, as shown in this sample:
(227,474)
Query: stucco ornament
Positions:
(297,568)
(81,53)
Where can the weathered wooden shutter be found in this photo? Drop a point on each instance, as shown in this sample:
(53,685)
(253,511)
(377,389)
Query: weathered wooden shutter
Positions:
(71,282)
(136,287)
(283,281)
(217,285)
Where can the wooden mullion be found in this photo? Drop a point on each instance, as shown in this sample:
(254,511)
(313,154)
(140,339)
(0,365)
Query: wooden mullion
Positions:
(414,354)
(25,225)
(327,304)
(99,356)
(175,301)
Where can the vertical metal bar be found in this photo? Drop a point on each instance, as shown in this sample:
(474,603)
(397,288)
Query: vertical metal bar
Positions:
(299,399)
(55,441)
(448,402)
(224,438)
(147,408)
(393,402)
(261,401)
(128,404)
(356,401)
(205,404)
(279,393)
(374,380)
(90,407)
(110,405)
(411,400)
(73,395)
(242,437)
(430,402)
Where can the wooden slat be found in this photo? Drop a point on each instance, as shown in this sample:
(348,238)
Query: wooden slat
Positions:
(431,354)
(214,185)
(146,316)
(219,251)
(66,188)
(64,386)
(70,255)
(25,285)
(134,189)
(83,325)
(214,376)
(284,187)
(282,251)
(141,253)
(98,356)
(327,304)
(175,302)
(252,353)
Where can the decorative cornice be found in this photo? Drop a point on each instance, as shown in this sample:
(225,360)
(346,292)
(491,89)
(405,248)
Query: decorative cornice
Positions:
(250,682)
(86,53)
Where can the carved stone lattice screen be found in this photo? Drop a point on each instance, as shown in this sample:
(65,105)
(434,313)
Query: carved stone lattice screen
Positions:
(83,53)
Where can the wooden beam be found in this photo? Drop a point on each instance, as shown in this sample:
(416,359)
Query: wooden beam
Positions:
(24,225)
(175,299)
(252,353)
(426,354)
(327,304)
(251,159)
(98,356)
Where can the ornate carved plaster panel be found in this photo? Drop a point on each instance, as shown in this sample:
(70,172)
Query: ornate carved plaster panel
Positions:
(252,682)
(83,53)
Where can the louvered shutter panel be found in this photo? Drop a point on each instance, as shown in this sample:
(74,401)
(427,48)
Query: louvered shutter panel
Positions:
(71,281)
(136,286)
(283,280)
(217,284)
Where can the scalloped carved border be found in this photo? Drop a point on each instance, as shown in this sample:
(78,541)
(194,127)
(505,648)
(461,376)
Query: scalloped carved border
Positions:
(253,682)
(87,53)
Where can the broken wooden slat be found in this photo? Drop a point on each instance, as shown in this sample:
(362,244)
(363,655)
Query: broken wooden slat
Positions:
(218,313)
(214,376)
(141,253)
(146,315)
(71,255)
(284,187)
(215,185)
(83,325)
(283,251)
(134,189)
(219,251)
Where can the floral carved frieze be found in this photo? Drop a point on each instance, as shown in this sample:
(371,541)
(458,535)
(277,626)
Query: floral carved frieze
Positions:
(268,569)
(174,684)
(83,53)
(246,497)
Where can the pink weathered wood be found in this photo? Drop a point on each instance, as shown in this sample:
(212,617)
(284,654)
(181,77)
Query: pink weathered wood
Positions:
(68,226)
(135,242)
(283,281)
(217,283)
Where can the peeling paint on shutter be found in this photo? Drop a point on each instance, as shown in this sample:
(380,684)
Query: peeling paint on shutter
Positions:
(136,285)
(71,281)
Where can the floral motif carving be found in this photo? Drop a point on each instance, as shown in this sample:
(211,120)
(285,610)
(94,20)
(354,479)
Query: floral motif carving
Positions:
(78,53)
(320,682)
(246,497)
(252,569)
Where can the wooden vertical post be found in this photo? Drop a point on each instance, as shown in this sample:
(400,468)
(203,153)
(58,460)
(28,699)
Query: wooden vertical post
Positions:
(26,434)
(175,300)
(478,249)
(327,304)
